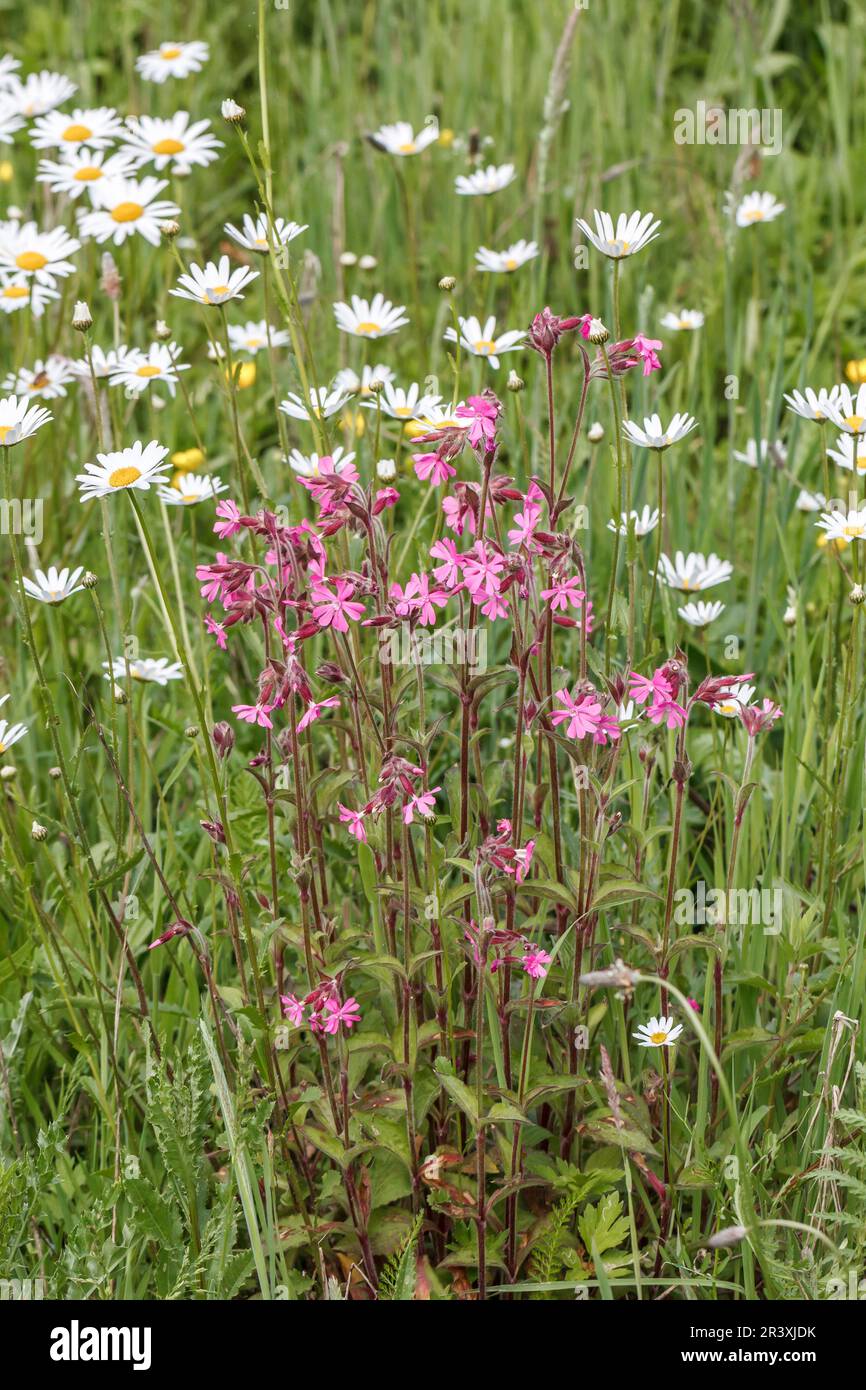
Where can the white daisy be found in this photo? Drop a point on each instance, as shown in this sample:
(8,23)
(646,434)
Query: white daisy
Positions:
(191,488)
(813,501)
(104,363)
(97,126)
(653,436)
(159,671)
(84,170)
(694,571)
(10,120)
(39,92)
(215,284)
(348,380)
(23,292)
(631,234)
(758,207)
(844,526)
(171,144)
(512,258)
(172,60)
(849,412)
(658,1032)
(46,379)
(253,337)
(403,404)
(439,417)
(136,467)
(55,586)
(484,181)
(26,250)
(399,139)
(375,318)
(738,697)
(9,734)
(324,402)
(308,464)
(776,451)
(844,456)
(127,206)
(700,614)
(813,405)
(483,342)
(18,420)
(682,320)
(258,234)
(138,369)
(8,67)
(645,521)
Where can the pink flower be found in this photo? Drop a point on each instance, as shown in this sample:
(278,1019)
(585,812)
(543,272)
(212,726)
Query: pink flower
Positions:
(608,728)
(424,804)
(254,714)
(535,963)
(347,1014)
(482,415)
(582,714)
(496,606)
(292,1008)
(563,593)
(448,573)
(481,570)
(385,497)
(216,630)
(459,516)
(314,711)
(523,860)
(430,468)
(667,712)
(332,610)
(231,519)
(354,822)
(647,349)
(756,718)
(525,523)
(657,686)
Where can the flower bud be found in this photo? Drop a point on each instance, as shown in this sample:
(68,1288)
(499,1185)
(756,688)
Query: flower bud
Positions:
(54,773)
(169,229)
(385,469)
(191,731)
(857,595)
(82,319)
(8,772)
(161,332)
(514,383)
(90,580)
(595,433)
(232,112)
(223,736)
(348,259)
(367,263)
(39,832)
(111,281)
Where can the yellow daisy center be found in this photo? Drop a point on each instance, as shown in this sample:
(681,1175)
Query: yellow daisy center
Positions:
(31,260)
(4,431)
(485,346)
(168,146)
(127,212)
(511,263)
(755,215)
(168,53)
(687,584)
(2,746)
(658,1038)
(217,289)
(854,423)
(856,530)
(403,411)
(254,342)
(124,477)
(408,148)
(77,132)
(16,292)
(368,327)
(148,371)
(87,173)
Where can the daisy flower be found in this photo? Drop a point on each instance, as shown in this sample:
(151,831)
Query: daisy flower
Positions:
(757,207)
(22,292)
(645,521)
(682,320)
(136,467)
(813,501)
(813,405)
(47,379)
(10,121)
(844,526)
(694,571)
(215,284)
(258,235)
(348,380)
(483,181)
(439,417)
(127,206)
(324,402)
(849,412)
(403,405)
(308,464)
(38,93)
(844,455)
(170,144)
(9,734)
(55,586)
(8,68)
(96,126)
(104,363)
(631,234)
(158,672)
(374,318)
(18,420)
(253,337)
(172,60)
(483,342)
(399,139)
(137,370)
(190,488)
(84,170)
(737,698)
(658,1032)
(512,258)
(700,614)
(753,452)
(653,436)
(26,250)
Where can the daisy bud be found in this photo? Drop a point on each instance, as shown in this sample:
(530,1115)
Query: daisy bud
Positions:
(232,112)
(367,263)
(223,736)
(376,387)
(8,773)
(596,332)
(448,283)
(348,259)
(54,773)
(120,696)
(385,469)
(595,433)
(731,1235)
(514,383)
(169,229)
(191,731)
(90,580)
(111,281)
(161,332)
(82,318)
(789,617)
(857,595)
(39,832)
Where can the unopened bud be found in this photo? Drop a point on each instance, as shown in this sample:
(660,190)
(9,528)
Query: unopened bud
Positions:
(90,580)
(111,281)
(38,831)
(595,433)
(55,773)
(348,259)
(385,469)
(367,263)
(223,736)
(169,229)
(598,333)
(82,319)
(191,731)
(8,772)
(515,383)
(448,283)
(376,387)
(232,112)
(120,696)
(161,332)
(857,595)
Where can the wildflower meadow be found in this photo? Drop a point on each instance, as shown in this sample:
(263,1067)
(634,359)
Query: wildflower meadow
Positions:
(432,672)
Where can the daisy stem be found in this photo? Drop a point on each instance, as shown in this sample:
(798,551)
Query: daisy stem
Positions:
(648,634)
(233,395)
(619,510)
